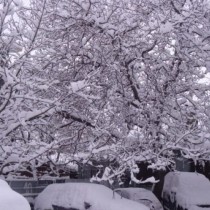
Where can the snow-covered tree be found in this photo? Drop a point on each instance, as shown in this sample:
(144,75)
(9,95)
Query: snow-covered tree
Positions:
(120,80)
(20,105)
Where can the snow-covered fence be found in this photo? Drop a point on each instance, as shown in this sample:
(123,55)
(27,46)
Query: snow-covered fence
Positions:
(30,188)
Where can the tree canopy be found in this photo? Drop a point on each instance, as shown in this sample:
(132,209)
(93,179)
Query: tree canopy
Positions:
(84,80)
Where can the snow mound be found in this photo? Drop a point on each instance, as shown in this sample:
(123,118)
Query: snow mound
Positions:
(83,196)
(11,200)
(188,189)
(141,195)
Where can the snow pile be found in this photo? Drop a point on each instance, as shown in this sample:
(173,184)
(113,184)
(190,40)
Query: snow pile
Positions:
(83,196)
(11,200)
(188,189)
(141,195)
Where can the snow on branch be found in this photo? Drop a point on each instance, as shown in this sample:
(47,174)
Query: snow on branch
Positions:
(148,180)
(27,117)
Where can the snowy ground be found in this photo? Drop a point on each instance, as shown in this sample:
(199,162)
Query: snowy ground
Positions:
(11,200)
(83,196)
